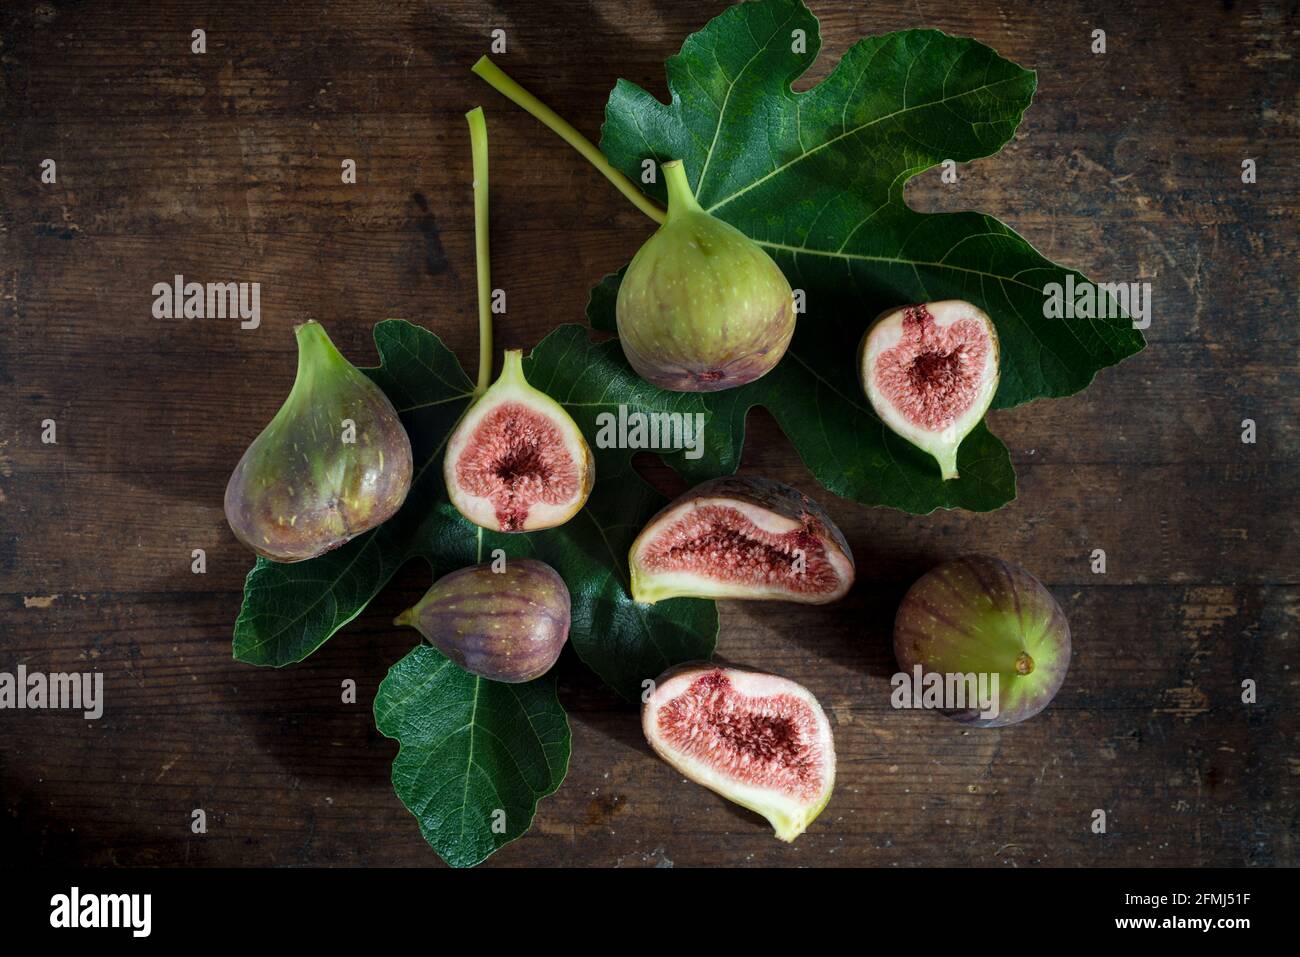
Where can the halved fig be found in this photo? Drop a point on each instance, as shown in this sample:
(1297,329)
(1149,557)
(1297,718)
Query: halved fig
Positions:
(741,537)
(517,462)
(757,739)
(930,372)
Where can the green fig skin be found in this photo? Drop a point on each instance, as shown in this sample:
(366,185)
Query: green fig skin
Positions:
(702,307)
(300,489)
(979,614)
(507,626)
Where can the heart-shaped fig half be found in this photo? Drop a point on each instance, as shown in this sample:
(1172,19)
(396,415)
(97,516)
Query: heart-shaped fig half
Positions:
(757,739)
(930,372)
(517,462)
(741,537)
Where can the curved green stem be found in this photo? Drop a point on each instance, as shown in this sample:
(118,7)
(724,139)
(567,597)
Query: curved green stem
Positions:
(680,198)
(497,78)
(482,264)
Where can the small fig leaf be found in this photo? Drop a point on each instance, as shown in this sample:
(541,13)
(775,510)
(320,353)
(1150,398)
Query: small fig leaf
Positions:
(816,178)
(475,755)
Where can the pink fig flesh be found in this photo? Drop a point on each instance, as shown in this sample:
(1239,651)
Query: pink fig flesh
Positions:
(741,537)
(931,371)
(757,739)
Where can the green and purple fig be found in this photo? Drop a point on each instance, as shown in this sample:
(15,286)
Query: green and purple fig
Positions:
(334,462)
(757,739)
(517,461)
(930,372)
(702,307)
(506,625)
(981,616)
(741,537)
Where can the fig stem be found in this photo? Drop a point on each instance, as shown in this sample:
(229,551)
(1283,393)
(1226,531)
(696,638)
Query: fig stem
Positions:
(680,198)
(503,84)
(948,464)
(314,348)
(482,263)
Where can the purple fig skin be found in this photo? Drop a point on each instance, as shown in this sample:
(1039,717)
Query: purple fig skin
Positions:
(806,518)
(979,614)
(507,626)
(300,490)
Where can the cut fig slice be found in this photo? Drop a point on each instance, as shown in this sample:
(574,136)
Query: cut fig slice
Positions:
(517,462)
(757,739)
(740,537)
(930,372)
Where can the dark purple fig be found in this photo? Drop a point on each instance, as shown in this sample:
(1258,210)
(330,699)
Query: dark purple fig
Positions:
(702,307)
(334,462)
(930,372)
(507,625)
(979,615)
(517,462)
(740,537)
(757,739)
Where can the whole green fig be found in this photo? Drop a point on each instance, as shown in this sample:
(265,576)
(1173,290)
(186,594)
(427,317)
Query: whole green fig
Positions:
(507,624)
(334,462)
(702,308)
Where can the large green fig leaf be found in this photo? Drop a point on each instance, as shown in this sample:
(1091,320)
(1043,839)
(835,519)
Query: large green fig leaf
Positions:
(816,178)
(475,756)
(291,610)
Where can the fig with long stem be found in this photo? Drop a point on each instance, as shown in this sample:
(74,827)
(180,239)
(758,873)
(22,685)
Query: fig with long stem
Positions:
(516,461)
(702,307)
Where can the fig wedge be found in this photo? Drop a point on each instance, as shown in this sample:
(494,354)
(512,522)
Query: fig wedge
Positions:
(757,739)
(741,537)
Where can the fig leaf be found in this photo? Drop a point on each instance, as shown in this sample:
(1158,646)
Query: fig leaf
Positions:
(476,755)
(816,178)
(290,610)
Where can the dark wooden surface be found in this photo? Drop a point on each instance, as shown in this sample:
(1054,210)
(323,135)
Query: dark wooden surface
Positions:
(226,167)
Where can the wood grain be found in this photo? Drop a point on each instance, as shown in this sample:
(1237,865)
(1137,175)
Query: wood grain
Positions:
(226,167)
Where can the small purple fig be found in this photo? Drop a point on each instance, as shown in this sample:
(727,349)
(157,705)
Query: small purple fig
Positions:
(334,462)
(508,625)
